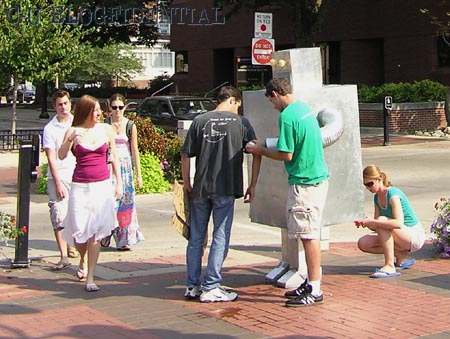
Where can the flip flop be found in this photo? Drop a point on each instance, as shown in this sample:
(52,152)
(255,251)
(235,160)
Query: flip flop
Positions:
(406,264)
(82,274)
(382,274)
(61,265)
(72,253)
(105,241)
(92,287)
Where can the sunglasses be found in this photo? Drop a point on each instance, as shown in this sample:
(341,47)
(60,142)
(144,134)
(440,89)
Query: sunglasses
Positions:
(369,184)
(117,107)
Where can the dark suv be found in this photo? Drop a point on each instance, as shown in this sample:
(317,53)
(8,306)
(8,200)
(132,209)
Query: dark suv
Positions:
(23,94)
(165,111)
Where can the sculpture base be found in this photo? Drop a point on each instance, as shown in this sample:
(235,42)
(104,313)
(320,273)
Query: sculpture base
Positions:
(292,279)
(277,272)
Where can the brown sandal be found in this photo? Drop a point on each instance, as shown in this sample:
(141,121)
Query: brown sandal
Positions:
(61,265)
(72,253)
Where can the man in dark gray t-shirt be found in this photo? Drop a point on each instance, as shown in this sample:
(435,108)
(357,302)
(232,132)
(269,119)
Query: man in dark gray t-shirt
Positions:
(216,139)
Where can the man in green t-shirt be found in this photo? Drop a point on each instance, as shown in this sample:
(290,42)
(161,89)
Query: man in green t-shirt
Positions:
(300,147)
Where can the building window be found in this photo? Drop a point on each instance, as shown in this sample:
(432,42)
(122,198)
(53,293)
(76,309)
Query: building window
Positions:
(181,62)
(443,50)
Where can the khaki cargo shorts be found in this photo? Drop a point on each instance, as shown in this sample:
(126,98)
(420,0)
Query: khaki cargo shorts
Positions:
(304,210)
(57,206)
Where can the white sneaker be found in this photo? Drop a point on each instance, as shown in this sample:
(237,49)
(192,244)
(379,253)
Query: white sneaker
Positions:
(217,294)
(192,292)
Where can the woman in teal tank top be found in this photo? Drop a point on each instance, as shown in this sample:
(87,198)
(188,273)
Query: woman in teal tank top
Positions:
(397,230)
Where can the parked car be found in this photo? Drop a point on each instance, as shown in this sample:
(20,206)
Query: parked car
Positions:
(24,94)
(70,86)
(165,111)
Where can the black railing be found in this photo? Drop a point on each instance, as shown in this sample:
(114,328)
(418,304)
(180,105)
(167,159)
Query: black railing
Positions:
(11,142)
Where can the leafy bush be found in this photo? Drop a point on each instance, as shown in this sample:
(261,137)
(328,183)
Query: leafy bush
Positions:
(418,91)
(440,227)
(152,175)
(172,165)
(166,146)
(41,185)
(150,138)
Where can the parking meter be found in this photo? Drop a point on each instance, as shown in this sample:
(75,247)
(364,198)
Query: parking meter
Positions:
(386,112)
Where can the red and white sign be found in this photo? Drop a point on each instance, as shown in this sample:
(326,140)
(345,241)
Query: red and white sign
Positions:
(262,51)
(263,25)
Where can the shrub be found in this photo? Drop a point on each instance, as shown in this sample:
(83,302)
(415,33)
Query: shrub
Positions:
(8,228)
(172,164)
(166,146)
(440,227)
(150,138)
(152,174)
(41,185)
(418,91)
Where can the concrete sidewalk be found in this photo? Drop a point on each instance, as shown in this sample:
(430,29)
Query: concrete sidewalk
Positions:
(141,290)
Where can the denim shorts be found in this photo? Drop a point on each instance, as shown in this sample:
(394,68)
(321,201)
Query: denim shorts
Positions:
(304,210)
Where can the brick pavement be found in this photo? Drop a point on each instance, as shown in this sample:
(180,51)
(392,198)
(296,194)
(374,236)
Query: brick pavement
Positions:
(40,303)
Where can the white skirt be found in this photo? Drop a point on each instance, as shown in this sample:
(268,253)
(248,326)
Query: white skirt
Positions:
(91,212)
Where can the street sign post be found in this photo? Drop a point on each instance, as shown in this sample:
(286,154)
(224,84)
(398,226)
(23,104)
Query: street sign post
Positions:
(262,51)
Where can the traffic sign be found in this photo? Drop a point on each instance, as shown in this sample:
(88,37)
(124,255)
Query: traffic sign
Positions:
(262,51)
(388,102)
(263,25)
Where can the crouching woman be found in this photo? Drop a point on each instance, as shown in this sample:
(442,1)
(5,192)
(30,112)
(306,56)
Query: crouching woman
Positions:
(397,230)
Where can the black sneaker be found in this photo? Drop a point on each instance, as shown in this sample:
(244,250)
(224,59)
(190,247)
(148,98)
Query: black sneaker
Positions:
(306,299)
(297,292)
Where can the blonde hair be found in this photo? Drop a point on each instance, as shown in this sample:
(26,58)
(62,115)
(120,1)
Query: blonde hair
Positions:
(373,172)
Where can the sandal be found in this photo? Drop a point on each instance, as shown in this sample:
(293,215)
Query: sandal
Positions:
(105,241)
(72,253)
(124,248)
(61,265)
(82,274)
(91,287)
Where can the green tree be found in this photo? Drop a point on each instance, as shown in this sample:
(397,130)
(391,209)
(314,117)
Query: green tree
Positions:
(111,62)
(126,21)
(33,47)
(440,18)
(305,14)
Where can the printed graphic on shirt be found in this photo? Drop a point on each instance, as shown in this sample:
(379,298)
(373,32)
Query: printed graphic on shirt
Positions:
(215,130)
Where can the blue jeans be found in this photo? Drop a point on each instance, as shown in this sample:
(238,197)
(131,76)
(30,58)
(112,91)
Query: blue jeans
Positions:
(222,209)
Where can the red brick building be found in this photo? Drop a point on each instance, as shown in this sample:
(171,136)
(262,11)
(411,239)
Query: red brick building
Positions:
(364,42)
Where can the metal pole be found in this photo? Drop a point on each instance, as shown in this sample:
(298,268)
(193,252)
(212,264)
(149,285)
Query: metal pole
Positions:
(386,113)
(44,113)
(23,204)
(28,161)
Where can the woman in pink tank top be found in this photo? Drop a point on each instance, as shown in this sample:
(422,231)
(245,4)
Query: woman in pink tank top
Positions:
(91,214)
